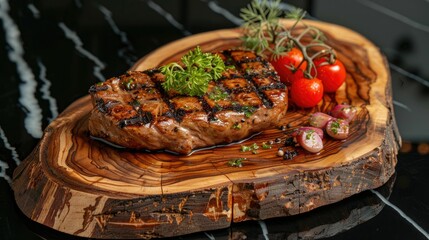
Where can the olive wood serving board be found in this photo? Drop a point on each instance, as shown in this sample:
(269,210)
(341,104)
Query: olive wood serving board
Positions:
(84,187)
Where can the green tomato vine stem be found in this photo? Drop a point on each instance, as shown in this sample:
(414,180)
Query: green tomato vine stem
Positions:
(264,33)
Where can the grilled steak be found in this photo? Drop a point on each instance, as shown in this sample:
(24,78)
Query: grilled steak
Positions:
(134,111)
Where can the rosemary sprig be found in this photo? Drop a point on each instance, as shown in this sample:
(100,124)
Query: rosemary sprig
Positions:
(193,78)
(261,24)
(264,34)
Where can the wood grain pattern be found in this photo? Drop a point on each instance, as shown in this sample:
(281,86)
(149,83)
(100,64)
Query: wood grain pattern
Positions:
(81,186)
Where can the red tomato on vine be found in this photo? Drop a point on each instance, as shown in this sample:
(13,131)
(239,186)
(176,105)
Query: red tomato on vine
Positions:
(306,93)
(285,63)
(332,75)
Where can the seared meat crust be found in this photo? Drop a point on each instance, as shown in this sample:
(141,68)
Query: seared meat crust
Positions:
(134,111)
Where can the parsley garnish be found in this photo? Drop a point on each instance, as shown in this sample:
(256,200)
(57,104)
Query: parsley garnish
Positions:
(193,78)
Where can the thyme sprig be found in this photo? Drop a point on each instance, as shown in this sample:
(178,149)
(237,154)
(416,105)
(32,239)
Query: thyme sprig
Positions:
(264,34)
(194,76)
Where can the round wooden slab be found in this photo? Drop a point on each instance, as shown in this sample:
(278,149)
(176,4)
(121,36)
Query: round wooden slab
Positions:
(84,187)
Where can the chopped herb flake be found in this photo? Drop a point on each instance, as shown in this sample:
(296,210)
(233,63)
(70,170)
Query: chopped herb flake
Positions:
(129,84)
(309,134)
(248,110)
(236,162)
(251,148)
(266,145)
(236,126)
(335,126)
(254,146)
(245,148)
(218,94)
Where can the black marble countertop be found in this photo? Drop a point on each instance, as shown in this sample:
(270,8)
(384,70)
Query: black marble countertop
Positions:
(52,51)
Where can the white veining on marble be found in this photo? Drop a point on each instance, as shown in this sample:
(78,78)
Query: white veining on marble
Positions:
(214,6)
(409,75)
(3,167)
(99,65)
(264,229)
(411,221)
(7,145)
(46,93)
(210,236)
(34,10)
(28,85)
(125,53)
(395,15)
(399,104)
(168,17)
(108,16)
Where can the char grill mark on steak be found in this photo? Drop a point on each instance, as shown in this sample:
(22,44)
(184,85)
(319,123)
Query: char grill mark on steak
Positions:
(142,119)
(157,77)
(101,106)
(97,88)
(258,72)
(247,86)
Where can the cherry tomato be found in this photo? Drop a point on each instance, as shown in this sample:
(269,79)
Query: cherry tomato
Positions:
(332,75)
(306,92)
(282,64)
(296,75)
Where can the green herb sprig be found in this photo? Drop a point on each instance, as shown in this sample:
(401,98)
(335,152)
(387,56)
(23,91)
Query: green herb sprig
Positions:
(265,34)
(193,78)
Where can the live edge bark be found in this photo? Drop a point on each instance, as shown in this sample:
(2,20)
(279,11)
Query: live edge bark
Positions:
(80,186)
